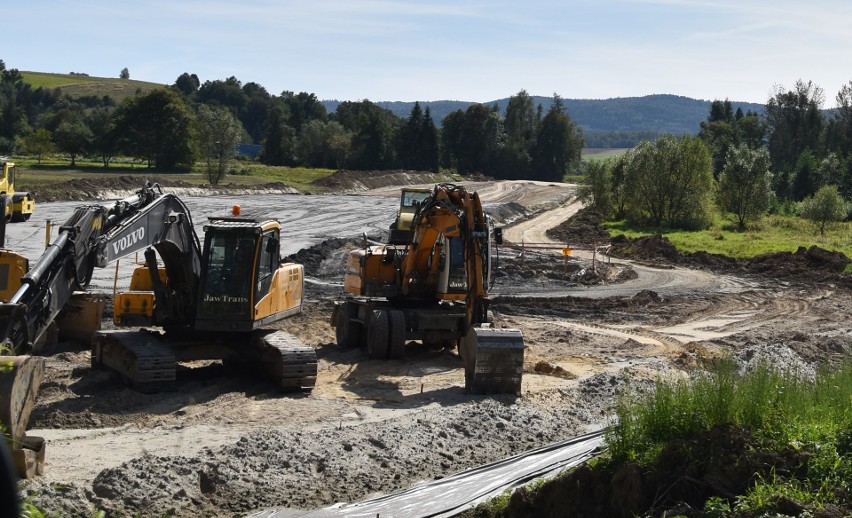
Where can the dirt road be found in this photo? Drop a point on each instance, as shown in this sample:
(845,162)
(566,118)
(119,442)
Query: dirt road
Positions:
(225,445)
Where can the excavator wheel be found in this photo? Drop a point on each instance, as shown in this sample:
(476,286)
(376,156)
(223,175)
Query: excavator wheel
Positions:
(346,330)
(396,334)
(378,329)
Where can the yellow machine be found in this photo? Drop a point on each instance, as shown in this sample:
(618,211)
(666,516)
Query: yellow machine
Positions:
(409,201)
(433,289)
(213,302)
(12,267)
(18,206)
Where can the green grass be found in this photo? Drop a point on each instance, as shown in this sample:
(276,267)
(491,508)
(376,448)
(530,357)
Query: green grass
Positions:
(79,85)
(770,234)
(782,410)
(601,154)
(35,176)
(737,425)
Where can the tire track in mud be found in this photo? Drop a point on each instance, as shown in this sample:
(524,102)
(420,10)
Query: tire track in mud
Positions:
(741,313)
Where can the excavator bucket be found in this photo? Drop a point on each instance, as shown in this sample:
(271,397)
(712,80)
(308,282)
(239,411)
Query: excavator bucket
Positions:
(20,379)
(494,360)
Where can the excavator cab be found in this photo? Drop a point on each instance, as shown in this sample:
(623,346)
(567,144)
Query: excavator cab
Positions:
(409,201)
(243,283)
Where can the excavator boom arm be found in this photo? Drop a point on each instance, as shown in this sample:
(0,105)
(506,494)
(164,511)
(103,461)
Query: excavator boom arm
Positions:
(95,236)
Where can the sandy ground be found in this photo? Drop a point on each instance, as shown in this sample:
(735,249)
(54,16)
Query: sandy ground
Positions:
(225,445)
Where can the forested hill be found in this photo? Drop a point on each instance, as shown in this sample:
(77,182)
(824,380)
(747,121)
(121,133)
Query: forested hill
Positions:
(654,114)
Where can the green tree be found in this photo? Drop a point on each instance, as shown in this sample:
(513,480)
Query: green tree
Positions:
(805,180)
(187,84)
(824,207)
(451,139)
(725,129)
(745,183)
(74,138)
(104,138)
(417,143)
(225,93)
(670,183)
(373,131)
(521,120)
(558,145)
(477,139)
(619,194)
(430,149)
(256,112)
(302,108)
(279,144)
(157,127)
(515,155)
(218,134)
(125,73)
(38,143)
(339,144)
(718,132)
(839,131)
(323,144)
(795,124)
(596,190)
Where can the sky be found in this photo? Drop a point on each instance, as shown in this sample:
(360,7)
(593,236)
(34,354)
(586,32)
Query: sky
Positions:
(395,50)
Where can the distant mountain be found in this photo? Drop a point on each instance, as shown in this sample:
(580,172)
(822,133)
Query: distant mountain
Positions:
(653,114)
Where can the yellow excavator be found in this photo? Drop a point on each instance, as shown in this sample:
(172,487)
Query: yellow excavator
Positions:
(206,302)
(433,288)
(18,205)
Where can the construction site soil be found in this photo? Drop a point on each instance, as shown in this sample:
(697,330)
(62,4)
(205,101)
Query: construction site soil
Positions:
(222,444)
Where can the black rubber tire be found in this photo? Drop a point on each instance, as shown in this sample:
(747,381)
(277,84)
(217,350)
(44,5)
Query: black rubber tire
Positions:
(378,329)
(346,330)
(396,335)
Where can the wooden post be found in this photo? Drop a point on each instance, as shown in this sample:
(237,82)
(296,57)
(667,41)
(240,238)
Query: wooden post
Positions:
(47,230)
(595,257)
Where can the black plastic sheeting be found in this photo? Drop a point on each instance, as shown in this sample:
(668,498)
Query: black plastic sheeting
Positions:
(454,494)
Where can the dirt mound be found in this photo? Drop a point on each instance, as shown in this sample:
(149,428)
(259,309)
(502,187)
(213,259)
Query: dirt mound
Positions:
(654,247)
(532,269)
(125,185)
(326,260)
(507,213)
(311,468)
(581,229)
(811,264)
(91,189)
(346,180)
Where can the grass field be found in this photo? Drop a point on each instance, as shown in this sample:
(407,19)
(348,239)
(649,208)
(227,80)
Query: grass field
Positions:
(51,171)
(80,85)
(771,234)
(601,154)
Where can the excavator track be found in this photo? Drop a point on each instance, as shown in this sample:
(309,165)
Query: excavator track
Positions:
(142,358)
(494,360)
(147,360)
(289,362)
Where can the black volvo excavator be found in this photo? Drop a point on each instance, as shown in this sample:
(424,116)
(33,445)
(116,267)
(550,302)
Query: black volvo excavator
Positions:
(205,302)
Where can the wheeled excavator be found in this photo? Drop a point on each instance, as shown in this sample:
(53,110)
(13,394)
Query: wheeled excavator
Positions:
(433,288)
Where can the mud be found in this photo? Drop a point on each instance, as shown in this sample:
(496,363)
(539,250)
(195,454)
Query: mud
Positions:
(223,444)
